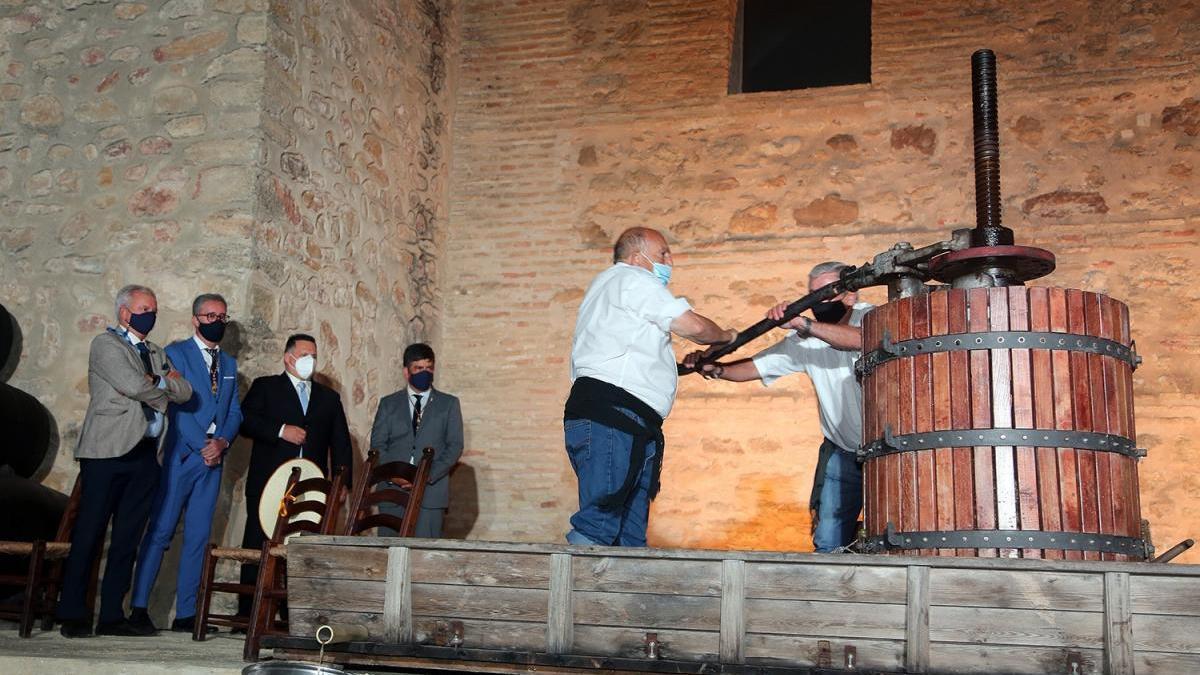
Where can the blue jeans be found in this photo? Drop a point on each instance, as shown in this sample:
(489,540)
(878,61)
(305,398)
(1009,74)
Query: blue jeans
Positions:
(841,502)
(600,456)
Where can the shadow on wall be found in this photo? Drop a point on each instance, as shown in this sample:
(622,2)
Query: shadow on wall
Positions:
(464,502)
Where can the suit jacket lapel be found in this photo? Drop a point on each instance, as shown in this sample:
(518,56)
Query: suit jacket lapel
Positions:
(196,359)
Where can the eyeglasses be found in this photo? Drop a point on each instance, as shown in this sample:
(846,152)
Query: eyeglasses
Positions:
(213,316)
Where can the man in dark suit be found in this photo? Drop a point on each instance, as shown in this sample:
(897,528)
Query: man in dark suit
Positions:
(131,381)
(288,416)
(419,417)
(198,435)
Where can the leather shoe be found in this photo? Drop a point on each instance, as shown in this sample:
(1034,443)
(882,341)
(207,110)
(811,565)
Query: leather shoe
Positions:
(75,628)
(139,618)
(188,625)
(123,628)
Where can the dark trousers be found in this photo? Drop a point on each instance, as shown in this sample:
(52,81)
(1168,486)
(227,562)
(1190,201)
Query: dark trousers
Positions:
(120,488)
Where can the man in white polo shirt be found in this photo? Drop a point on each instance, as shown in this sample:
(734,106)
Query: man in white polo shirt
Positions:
(825,349)
(623,377)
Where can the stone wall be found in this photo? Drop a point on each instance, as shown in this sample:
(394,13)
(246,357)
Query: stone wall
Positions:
(579,118)
(128,149)
(293,156)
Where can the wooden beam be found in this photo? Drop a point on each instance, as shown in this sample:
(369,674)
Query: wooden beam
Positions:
(561,622)
(916,621)
(397,598)
(1118,625)
(733,611)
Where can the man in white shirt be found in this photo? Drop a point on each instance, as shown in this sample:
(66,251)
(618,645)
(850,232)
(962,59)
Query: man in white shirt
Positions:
(623,377)
(825,349)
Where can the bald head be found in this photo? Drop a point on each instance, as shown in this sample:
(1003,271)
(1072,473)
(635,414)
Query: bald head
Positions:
(635,240)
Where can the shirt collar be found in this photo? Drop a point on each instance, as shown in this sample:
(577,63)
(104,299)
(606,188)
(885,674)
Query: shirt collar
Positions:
(129,335)
(201,345)
(295,380)
(423,394)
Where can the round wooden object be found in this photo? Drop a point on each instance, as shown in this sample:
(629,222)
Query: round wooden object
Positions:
(1077,500)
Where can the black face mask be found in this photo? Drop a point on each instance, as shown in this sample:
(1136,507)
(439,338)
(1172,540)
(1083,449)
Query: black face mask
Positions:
(213,332)
(829,312)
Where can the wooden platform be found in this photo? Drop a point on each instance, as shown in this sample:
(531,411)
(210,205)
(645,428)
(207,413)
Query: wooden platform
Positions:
(515,606)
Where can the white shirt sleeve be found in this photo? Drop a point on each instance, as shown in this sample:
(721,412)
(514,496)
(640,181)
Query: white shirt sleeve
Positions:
(783,358)
(648,299)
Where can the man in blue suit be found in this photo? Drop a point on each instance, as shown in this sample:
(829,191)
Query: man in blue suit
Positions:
(198,435)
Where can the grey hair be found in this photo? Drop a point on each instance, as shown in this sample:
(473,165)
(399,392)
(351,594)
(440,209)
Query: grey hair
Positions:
(630,242)
(826,268)
(126,294)
(206,297)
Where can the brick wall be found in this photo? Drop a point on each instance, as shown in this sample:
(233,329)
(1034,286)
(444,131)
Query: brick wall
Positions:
(577,119)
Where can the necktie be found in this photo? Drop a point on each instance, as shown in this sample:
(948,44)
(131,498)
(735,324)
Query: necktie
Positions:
(303,396)
(212,369)
(144,352)
(416,412)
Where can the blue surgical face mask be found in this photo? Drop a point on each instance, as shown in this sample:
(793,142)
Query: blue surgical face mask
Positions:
(661,271)
(143,323)
(422,380)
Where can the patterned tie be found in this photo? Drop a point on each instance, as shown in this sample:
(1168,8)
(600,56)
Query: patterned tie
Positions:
(212,368)
(144,352)
(416,413)
(303,396)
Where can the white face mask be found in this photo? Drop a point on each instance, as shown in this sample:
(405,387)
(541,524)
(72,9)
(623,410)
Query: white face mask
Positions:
(304,366)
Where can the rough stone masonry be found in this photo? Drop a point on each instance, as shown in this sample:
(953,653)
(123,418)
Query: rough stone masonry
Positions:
(381,171)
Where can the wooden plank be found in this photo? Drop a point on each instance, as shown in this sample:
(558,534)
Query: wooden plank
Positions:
(960,418)
(1099,413)
(916,621)
(646,610)
(1043,410)
(807,617)
(472,568)
(1089,508)
(926,482)
(337,594)
(983,457)
(971,659)
(1033,627)
(1068,477)
(560,609)
(733,615)
(863,583)
(485,634)
(942,394)
(397,601)
(1002,416)
(1028,509)
(335,562)
(801,560)
(1017,590)
(1164,595)
(1118,625)
(477,602)
(304,622)
(1160,663)
(626,575)
(909,510)
(1166,633)
(674,644)
(802,651)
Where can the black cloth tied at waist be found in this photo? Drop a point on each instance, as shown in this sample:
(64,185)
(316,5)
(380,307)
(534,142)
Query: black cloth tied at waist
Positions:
(600,402)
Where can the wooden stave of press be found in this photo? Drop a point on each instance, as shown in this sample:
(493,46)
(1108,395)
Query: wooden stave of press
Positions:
(1050,489)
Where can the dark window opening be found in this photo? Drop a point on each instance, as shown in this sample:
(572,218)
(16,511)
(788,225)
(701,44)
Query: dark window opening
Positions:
(799,44)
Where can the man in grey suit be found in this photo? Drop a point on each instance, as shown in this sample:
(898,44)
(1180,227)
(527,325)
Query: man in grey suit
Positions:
(419,417)
(130,380)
